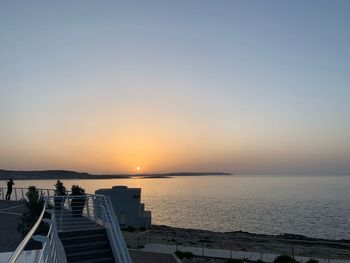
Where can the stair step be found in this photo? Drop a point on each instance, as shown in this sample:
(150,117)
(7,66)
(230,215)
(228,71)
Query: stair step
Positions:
(95,260)
(85,241)
(77,225)
(90,254)
(90,242)
(77,228)
(67,242)
(68,236)
(70,248)
(74,219)
(82,232)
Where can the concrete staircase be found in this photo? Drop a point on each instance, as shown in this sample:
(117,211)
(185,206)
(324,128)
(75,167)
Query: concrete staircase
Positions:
(85,241)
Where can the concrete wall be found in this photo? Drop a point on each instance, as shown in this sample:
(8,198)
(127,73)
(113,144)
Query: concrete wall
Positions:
(127,206)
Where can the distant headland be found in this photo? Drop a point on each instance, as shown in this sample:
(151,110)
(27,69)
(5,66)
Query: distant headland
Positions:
(64,174)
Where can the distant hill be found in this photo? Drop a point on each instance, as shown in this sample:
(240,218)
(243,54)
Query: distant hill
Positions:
(53,174)
(63,174)
(188,174)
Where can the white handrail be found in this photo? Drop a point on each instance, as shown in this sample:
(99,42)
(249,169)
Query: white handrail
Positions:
(19,193)
(52,249)
(98,208)
(28,237)
(119,247)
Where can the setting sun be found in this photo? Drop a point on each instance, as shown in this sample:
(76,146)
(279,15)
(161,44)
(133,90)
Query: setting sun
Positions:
(138,168)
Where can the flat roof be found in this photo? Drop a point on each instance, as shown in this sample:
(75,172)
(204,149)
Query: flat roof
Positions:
(10,216)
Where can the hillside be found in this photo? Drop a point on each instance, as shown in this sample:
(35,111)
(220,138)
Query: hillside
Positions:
(64,174)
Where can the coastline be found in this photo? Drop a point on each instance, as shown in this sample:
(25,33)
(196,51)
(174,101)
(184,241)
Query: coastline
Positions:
(66,175)
(241,241)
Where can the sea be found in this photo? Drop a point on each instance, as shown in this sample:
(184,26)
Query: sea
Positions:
(313,206)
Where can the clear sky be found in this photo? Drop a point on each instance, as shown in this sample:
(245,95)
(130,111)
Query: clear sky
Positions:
(239,86)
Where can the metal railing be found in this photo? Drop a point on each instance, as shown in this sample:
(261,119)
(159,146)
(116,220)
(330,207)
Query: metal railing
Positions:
(52,250)
(69,213)
(19,193)
(80,211)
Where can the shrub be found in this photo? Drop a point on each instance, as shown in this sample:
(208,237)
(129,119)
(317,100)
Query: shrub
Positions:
(77,203)
(184,254)
(236,260)
(130,229)
(311,260)
(35,205)
(77,190)
(284,259)
(60,189)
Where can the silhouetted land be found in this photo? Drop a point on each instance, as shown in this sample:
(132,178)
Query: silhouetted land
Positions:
(63,174)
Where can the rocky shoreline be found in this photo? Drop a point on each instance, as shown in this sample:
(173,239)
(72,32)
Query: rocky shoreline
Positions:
(290,244)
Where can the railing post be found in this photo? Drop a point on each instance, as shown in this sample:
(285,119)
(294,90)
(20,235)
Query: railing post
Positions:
(87,207)
(61,213)
(46,253)
(94,201)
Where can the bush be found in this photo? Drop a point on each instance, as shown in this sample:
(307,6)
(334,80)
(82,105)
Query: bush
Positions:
(184,254)
(60,189)
(234,260)
(311,260)
(35,205)
(77,202)
(130,229)
(284,259)
(77,190)
(60,193)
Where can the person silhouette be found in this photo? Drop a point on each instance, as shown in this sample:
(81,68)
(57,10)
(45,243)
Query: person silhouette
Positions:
(10,183)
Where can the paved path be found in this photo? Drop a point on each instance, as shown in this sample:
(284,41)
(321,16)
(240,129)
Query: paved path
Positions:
(10,212)
(221,253)
(26,256)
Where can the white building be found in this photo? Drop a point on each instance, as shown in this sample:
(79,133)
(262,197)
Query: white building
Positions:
(127,206)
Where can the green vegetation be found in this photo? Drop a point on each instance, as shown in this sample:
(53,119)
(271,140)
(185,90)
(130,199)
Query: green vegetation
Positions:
(60,192)
(77,190)
(284,259)
(184,254)
(234,260)
(35,205)
(130,229)
(60,189)
(78,200)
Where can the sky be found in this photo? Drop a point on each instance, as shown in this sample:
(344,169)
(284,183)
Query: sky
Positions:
(237,86)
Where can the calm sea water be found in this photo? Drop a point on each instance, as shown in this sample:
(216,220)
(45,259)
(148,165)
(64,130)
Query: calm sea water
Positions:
(311,206)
